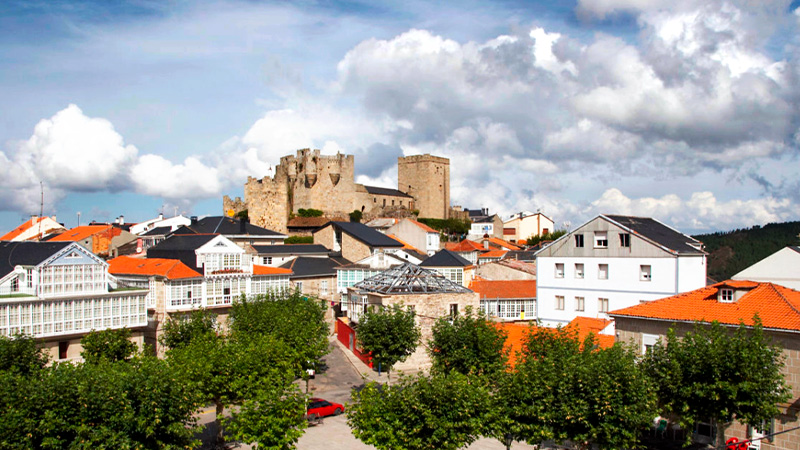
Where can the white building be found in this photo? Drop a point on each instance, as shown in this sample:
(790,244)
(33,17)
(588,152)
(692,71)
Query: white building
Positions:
(523,225)
(416,234)
(781,267)
(59,291)
(614,262)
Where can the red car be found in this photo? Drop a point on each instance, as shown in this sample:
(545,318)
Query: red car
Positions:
(319,408)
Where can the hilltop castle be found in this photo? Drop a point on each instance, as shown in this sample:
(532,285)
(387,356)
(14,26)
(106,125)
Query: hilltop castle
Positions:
(309,180)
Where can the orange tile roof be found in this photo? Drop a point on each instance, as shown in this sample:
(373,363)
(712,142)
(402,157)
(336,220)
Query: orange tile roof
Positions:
(266,270)
(590,325)
(80,233)
(423,226)
(504,288)
(777,306)
(502,243)
(465,246)
(493,254)
(171,269)
(21,229)
(515,340)
(406,245)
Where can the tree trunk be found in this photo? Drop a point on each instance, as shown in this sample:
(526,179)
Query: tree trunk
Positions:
(220,439)
(721,427)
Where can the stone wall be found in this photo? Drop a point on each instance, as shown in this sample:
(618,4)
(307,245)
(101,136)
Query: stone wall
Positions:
(427,179)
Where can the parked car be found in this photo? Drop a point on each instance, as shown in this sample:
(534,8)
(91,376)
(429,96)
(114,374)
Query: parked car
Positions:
(319,408)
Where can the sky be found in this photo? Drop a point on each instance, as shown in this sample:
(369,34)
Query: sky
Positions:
(687,111)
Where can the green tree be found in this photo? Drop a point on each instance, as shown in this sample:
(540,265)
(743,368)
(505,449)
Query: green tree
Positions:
(356,216)
(21,354)
(228,370)
(295,319)
(138,404)
(425,413)
(565,389)
(389,335)
(299,240)
(309,212)
(111,345)
(180,331)
(469,344)
(720,374)
(535,239)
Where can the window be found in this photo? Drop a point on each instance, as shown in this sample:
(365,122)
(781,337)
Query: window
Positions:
(578,270)
(644,272)
(602,271)
(602,305)
(268,260)
(299,285)
(624,240)
(560,302)
(600,239)
(648,341)
(63,349)
(762,429)
(579,303)
(323,287)
(453,309)
(726,295)
(559,270)
(578,240)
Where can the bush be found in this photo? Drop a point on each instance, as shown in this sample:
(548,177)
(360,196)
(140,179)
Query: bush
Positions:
(299,240)
(309,212)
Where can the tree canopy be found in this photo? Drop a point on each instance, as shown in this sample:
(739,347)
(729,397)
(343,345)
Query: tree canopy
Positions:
(422,413)
(180,331)
(389,335)
(549,236)
(468,343)
(109,345)
(718,373)
(21,354)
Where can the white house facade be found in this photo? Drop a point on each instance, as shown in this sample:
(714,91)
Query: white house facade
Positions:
(614,262)
(781,267)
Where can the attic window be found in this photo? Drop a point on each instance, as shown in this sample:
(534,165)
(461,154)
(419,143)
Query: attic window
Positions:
(726,295)
(600,239)
(220,244)
(73,255)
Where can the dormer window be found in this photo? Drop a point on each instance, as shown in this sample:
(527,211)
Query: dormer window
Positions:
(726,295)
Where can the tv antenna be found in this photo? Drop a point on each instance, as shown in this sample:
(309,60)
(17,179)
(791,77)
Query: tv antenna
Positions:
(41,208)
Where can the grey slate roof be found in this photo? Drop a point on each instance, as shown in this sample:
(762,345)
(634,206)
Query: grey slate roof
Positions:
(26,253)
(521,255)
(291,249)
(445,258)
(658,233)
(158,231)
(386,191)
(181,247)
(366,234)
(226,226)
(795,248)
(309,267)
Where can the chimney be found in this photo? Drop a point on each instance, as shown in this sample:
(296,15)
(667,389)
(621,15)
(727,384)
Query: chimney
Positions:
(160,216)
(122,220)
(193,219)
(242,226)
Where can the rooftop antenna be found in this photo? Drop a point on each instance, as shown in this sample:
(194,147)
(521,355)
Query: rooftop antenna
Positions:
(79,218)
(176,212)
(41,208)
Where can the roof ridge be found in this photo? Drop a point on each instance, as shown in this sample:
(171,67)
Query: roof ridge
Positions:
(774,288)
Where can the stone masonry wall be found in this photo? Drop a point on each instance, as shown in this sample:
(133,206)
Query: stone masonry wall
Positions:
(427,179)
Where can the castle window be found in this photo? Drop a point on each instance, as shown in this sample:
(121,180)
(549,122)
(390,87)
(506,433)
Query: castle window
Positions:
(384,202)
(392,202)
(375,200)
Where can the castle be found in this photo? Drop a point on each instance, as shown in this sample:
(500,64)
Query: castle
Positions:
(309,180)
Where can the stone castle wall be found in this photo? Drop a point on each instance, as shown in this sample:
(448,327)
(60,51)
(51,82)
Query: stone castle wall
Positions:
(427,179)
(308,180)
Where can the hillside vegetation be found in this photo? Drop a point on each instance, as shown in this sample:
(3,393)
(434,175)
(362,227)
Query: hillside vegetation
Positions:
(731,252)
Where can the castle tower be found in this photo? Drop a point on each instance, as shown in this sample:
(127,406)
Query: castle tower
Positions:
(427,179)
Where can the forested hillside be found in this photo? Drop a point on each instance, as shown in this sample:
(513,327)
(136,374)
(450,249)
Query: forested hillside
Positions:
(730,252)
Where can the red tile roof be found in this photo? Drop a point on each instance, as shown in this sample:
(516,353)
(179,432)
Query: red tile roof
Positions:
(423,226)
(517,332)
(464,246)
(266,270)
(493,254)
(80,233)
(502,243)
(171,269)
(20,229)
(777,306)
(590,325)
(504,288)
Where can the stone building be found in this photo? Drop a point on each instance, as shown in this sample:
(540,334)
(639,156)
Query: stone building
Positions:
(309,180)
